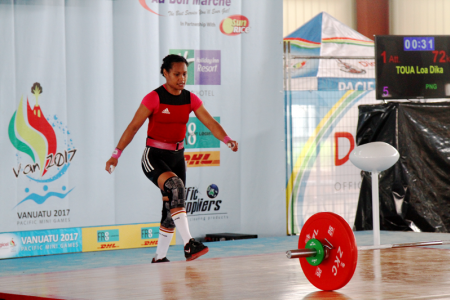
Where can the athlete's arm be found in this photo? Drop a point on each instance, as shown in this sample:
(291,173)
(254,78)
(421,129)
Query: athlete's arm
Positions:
(203,115)
(139,118)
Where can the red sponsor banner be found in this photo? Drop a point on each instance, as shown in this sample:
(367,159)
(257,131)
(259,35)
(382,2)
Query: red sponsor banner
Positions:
(150,243)
(108,246)
(202,159)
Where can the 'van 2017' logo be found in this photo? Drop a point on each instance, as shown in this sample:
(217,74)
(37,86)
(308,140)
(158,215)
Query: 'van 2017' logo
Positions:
(234,25)
(35,138)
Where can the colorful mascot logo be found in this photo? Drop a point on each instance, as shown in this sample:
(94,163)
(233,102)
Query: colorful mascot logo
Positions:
(34,136)
(234,25)
(44,145)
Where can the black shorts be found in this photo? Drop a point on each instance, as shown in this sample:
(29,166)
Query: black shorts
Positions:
(157,161)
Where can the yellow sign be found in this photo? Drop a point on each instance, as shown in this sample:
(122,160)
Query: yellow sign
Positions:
(202,158)
(121,237)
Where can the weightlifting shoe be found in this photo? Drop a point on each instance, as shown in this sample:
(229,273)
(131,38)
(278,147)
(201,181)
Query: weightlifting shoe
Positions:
(160,260)
(194,250)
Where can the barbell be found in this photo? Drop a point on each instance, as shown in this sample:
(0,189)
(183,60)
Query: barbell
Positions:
(328,253)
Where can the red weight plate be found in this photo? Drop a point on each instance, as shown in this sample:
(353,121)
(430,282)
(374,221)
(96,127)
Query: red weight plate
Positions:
(336,270)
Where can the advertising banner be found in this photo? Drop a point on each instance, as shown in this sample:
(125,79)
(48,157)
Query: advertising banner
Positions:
(75,72)
(121,237)
(199,137)
(40,242)
(51,137)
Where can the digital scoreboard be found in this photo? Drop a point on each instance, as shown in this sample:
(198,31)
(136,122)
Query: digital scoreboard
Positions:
(412,67)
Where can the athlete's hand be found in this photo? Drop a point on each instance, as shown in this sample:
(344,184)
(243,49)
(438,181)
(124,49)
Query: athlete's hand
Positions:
(111,164)
(233,145)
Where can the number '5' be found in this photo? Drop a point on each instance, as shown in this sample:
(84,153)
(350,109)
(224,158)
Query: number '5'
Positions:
(385,91)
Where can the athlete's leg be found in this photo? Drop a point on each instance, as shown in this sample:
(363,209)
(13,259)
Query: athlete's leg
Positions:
(166,230)
(174,186)
(168,172)
(152,166)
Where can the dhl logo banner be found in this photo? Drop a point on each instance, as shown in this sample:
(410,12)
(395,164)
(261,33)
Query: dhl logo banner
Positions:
(202,159)
(121,237)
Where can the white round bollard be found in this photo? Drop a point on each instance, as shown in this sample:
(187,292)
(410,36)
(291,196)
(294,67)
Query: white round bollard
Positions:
(375,157)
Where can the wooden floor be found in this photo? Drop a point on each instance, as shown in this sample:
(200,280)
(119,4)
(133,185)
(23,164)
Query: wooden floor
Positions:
(408,273)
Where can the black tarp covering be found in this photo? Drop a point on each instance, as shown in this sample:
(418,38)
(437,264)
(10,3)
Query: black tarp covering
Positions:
(416,190)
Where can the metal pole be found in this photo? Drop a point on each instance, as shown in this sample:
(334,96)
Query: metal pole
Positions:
(287,126)
(375,209)
(284,66)
(300,253)
(311,252)
(418,244)
(289,130)
(330,57)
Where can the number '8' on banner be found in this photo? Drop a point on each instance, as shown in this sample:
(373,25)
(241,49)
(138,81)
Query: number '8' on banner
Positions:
(198,136)
(149,233)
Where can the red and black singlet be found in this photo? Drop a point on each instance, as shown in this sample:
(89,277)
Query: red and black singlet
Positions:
(170,114)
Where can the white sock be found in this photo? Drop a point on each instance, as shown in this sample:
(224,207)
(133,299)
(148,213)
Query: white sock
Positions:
(181,222)
(165,237)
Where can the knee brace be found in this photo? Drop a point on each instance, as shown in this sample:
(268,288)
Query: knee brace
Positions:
(166,219)
(175,188)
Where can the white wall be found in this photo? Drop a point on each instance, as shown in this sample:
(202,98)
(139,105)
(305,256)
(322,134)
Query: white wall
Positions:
(405,16)
(419,17)
(298,12)
(263,158)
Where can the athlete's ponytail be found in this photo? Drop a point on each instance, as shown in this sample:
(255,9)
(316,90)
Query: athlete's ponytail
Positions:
(169,60)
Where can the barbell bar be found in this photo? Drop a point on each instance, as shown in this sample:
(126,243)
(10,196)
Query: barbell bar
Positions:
(291,254)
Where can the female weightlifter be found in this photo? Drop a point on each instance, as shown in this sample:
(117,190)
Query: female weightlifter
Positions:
(168,108)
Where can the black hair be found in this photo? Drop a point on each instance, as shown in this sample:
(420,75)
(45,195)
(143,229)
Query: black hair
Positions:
(169,60)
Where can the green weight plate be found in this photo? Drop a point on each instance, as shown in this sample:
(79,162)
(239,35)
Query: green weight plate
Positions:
(318,258)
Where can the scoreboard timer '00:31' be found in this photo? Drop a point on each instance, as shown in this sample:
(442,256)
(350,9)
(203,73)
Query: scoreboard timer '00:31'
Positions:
(412,67)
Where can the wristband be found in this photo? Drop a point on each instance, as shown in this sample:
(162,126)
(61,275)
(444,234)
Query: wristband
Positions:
(226,139)
(116,153)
